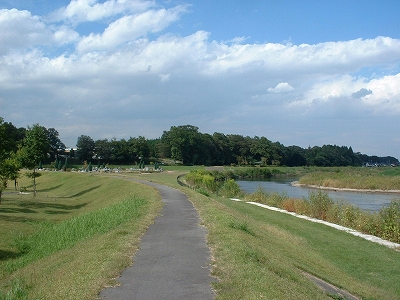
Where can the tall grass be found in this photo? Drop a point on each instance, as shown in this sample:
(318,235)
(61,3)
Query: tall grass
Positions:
(206,182)
(385,224)
(354,178)
(51,238)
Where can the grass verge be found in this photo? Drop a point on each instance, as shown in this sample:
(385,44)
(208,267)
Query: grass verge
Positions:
(261,254)
(73,238)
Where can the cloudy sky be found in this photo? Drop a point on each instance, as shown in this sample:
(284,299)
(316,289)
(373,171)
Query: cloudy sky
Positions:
(299,72)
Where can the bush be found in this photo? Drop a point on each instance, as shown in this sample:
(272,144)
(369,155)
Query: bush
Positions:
(390,222)
(229,189)
(320,204)
(262,196)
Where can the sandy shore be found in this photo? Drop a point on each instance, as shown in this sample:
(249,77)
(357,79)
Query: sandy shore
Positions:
(298,184)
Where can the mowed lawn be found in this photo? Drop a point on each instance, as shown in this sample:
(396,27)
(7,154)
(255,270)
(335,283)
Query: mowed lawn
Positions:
(262,254)
(256,253)
(74,237)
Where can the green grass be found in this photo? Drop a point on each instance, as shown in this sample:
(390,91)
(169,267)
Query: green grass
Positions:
(73,238)
(256,253)
(385,178)
(260,254)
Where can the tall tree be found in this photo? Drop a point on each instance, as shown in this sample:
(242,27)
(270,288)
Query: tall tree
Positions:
(102,150)
(85,148)
(55,144)
(139,147)
(8,166)
(184,142)
(34,149)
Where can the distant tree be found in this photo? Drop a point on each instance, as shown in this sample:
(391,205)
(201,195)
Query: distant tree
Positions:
(9,170)
(119,151)
(102,150)
(34,149)
(240,147)
(85,148)
(223,149)
(184,142)
(294,156)
(138,147)
(55,144)
(262,150)
(9,166)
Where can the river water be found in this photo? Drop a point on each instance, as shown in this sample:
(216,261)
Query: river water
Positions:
(367,201)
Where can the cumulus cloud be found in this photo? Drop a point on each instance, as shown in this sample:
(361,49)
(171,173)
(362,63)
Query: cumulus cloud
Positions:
(381,94)
(78,11)
(133,71)
(281,88)
(129,28)
(19,29)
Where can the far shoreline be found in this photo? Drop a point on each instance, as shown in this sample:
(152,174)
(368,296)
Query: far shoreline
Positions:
(298,184)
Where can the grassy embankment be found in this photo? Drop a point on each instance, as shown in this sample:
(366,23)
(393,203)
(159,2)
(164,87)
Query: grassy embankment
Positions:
(73,238)
(385,224)
(386,178)
(261,254)
(257,253)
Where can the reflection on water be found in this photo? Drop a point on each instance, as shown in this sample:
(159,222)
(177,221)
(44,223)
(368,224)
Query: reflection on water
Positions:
(366,201)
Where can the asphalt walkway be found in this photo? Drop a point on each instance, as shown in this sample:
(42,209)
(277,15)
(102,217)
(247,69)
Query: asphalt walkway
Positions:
(173,261)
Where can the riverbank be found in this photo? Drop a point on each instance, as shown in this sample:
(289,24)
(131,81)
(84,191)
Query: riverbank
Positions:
(298,184)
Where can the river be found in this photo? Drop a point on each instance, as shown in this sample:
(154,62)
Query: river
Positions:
(367,201)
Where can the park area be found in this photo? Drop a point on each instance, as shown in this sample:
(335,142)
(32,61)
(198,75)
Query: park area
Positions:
(82,229)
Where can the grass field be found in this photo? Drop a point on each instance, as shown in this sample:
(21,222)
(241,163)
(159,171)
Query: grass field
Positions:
(261,254)
(383,178)
(73,238)
(257,253)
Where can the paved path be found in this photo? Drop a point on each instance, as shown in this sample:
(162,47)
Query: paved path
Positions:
(173,261)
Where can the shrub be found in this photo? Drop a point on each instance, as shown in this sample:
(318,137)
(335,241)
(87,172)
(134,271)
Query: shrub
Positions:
(320,204)
(262,196)
(229,189)
(203,192)
(390,218)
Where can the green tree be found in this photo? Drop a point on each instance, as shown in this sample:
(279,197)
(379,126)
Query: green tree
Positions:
(9,170)
(55,144)
(262,149)
(9,167)
(240,147)
(223,149)
(34,149)
(85,148)
(138,147)
(103,150)
(185,143)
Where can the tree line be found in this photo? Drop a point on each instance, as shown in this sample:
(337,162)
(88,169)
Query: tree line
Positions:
(30,147)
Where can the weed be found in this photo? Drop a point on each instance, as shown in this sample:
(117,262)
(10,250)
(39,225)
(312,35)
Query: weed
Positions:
(243,226)
(203,192)
(18,291)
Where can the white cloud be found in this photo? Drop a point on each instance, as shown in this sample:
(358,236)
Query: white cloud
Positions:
(129,28)
(91,10)
(381,94)
(281,88)
(19,29)
(385,94)
(134,74)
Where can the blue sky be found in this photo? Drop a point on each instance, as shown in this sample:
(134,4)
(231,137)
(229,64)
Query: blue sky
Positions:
(299,72)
